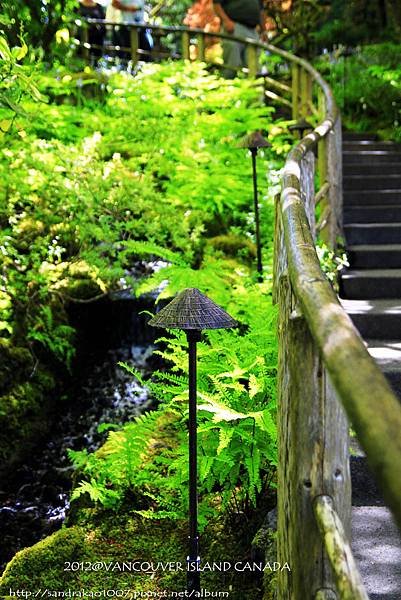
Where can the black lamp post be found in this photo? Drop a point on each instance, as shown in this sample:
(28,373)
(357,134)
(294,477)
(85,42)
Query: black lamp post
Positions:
(192,311)
(300,127)
(253,142)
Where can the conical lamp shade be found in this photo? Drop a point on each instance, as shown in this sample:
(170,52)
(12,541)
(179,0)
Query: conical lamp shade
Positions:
(300,125)
(253,141)
(191,309)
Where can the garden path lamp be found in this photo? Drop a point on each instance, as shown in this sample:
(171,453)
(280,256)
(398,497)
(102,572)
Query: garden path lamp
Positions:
(253,142)
(192,311)
(300,127)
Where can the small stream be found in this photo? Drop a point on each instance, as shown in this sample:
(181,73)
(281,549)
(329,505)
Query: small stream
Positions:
(34,499)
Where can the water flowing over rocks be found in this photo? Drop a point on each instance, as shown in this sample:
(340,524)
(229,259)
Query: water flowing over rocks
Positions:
(34,497)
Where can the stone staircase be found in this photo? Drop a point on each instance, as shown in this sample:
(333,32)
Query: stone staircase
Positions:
(371,294)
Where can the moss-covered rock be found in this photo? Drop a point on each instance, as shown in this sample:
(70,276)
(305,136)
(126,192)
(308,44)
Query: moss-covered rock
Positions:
(44,562)
(24,401)
(237,246)
(109,551)
(15,365)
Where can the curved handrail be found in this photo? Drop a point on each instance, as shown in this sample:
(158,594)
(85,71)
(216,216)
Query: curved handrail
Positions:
(366,396)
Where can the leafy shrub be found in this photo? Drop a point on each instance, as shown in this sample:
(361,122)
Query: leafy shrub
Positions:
(151,171)
(156,162)
(367,87)
(236,422)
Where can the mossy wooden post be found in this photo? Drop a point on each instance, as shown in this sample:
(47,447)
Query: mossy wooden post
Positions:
(322,170)
(334,177)
(85,42)
(134,41)
(321,146)
(185,45)
(306,93)
(252,60)
(296,74)
(313,434)
(201,46)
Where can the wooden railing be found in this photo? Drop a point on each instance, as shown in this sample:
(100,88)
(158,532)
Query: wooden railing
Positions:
(325,372)
(326,375)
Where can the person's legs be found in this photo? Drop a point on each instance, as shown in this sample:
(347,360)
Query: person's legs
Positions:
(231,56)
(247,32)
(234,53)
(145,43)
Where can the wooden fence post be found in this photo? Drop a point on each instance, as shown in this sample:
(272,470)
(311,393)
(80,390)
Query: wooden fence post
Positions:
(326,208)
(134,41)
(306,93)
(201,46)
(185,41)
(296,69)
(85,41)
(334,177)
(252,60)
(313,455)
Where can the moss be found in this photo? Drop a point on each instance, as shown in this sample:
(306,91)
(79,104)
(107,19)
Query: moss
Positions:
(237,246)
(28,230)
(44,562)
(15,365)
(24,403)
(75,279)
(109,538)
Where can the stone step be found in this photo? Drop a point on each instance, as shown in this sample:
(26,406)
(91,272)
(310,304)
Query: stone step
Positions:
(370,284)
(355,168)
(387,354)
(372,182)
(375,256)
(370,156)
(371,197)
(376,545)
(372,214)
(372,233)
(378,319)
(369,145)
(372,288)
(351,136)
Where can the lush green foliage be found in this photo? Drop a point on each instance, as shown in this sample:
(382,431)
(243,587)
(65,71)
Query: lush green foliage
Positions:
(127,170)
(15,83)
(36,19)
(309,27)
(353,22)
(80,187)
(236,422)
(367,86)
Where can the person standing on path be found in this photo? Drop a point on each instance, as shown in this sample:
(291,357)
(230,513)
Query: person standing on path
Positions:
(243,18)
(133,12)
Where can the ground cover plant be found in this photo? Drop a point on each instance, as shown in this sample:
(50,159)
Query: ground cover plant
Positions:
(101,177)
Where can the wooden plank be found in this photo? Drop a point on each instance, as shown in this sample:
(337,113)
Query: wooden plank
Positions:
(277,84)
(348,579)
(277,98)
